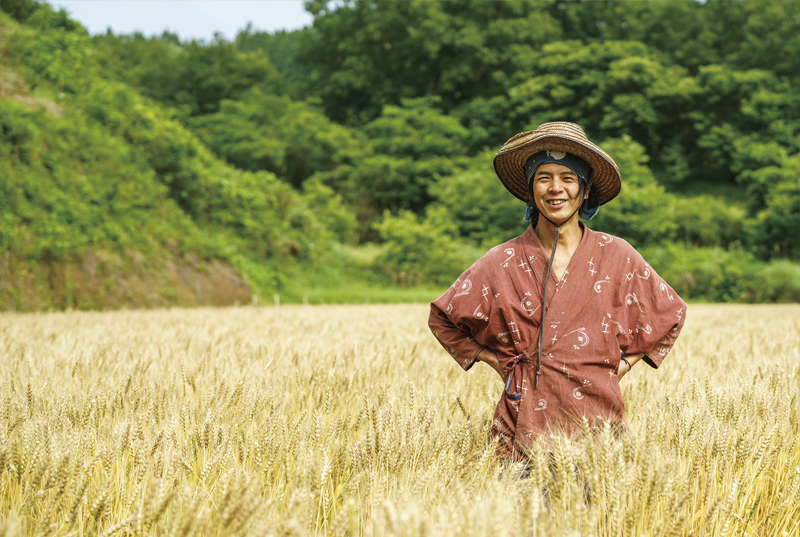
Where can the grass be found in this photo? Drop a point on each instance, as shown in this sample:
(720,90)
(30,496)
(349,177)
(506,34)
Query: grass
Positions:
(350,420)
(357,293)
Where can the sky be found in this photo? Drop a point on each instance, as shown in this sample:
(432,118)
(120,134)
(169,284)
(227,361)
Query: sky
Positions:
(190,19)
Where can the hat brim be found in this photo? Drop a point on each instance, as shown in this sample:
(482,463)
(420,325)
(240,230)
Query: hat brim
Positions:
(509,164)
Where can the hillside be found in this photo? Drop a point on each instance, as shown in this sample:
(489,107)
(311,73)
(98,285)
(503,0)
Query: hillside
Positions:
(145,172)
(108,201)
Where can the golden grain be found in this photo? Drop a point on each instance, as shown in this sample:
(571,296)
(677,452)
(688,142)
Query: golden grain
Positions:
(348,420)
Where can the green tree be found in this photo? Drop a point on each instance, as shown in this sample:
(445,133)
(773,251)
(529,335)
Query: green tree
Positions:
(481,209)
(281,48)
(640,214)
(738,33)
(774,205)
(194,78)
(364,55)
(738,114)
(408,149)
(20,10)
(262,131)
(610,88)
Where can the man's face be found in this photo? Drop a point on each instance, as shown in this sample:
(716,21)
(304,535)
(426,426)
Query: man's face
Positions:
(556,191)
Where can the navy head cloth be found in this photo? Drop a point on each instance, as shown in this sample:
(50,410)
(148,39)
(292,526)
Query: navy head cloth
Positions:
(589,207)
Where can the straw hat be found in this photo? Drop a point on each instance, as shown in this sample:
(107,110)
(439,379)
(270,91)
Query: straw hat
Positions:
(509,163)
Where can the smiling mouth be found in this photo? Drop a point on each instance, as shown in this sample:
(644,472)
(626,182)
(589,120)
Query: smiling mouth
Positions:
(556,204)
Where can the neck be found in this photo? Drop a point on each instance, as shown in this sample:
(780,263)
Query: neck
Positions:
(569,236)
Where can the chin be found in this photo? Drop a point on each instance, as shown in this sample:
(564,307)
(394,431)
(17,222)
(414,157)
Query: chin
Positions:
(560,216)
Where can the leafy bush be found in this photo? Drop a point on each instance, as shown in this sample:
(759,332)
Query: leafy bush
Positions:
(718,275)
(707,221)
(271,132)
(68,186)
(774,194)
(330,211)
(481,209)
(776,281)
(641,212)
(254,211)
(418,252)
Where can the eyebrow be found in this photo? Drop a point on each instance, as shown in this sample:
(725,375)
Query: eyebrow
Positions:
(545,172)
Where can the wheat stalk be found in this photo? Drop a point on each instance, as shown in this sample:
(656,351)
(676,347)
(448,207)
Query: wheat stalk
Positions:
(253,421)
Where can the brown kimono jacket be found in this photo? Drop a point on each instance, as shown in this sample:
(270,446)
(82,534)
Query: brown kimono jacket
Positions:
(608,300)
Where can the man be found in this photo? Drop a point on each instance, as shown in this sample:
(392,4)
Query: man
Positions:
(560,312)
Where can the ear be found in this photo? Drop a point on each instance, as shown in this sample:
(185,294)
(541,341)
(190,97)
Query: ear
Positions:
(586,195)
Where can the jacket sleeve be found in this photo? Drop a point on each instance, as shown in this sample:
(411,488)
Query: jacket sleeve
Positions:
(654,312)
(454,319)
(456,340)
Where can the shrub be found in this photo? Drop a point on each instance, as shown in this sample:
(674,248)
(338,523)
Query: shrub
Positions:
(417,252)
(481,209)
(720,275)
(640,213)
(774,232)
(777,281)
(707,221)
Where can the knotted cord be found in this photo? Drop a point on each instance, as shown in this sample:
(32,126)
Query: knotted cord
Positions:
(547,279)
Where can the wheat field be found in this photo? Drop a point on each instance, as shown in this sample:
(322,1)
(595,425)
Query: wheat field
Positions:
(350,420)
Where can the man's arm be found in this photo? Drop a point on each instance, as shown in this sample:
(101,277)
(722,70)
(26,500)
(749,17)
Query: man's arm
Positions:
(489,357)
(632,359)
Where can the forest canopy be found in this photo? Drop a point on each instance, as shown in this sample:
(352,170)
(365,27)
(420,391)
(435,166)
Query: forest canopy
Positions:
(357,152)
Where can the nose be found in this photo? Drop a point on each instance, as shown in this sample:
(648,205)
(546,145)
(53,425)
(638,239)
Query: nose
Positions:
(556,185)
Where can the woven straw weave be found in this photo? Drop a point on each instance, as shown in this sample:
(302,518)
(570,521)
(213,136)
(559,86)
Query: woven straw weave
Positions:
(509,163)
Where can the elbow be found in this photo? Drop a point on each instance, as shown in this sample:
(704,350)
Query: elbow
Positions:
(435,320)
